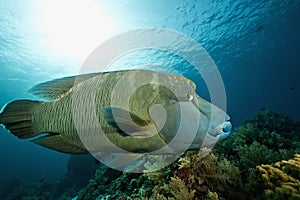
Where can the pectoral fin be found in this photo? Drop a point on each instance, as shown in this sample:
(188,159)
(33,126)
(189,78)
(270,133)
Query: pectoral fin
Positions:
(127,123)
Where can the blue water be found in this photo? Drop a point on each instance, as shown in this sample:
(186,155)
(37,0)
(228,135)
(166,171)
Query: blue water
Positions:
(255,45)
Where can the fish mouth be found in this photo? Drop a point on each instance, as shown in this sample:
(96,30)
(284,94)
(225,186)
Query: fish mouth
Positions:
(222,131)
(226,130)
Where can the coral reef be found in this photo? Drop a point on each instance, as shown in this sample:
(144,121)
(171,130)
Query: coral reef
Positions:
(95,187)
(200,177)
(265,139)
(176,188)
(192,177)
(271,121)
(113,184)
(282,181)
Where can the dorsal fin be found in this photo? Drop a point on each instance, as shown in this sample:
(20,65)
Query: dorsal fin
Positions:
(57,88)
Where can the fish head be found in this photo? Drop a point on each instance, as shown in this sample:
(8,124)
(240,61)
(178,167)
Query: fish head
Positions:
(190,121)
(166,111)
(214,124)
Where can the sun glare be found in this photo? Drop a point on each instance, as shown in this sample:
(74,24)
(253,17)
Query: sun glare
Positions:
(71,29)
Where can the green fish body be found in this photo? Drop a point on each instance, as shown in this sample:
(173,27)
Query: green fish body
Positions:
(137,111)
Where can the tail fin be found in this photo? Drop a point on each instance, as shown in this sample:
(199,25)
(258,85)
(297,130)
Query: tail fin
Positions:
(16,117)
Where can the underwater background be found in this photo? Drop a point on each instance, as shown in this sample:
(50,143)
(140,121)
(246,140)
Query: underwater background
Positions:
(255,45)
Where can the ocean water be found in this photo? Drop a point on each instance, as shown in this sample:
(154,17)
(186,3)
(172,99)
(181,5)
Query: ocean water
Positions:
(254,44)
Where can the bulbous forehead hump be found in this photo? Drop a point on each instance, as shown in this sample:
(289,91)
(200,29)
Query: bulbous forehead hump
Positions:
(176,83)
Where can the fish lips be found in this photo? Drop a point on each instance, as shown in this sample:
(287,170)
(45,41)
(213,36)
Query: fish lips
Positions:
(222,131)
(226,130)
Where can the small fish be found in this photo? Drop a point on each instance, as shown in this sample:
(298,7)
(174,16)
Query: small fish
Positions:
(138,128)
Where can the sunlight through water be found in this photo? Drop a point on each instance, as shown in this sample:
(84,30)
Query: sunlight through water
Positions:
(72,29)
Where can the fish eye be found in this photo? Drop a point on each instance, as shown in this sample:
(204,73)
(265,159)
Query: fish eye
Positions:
(190,97)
